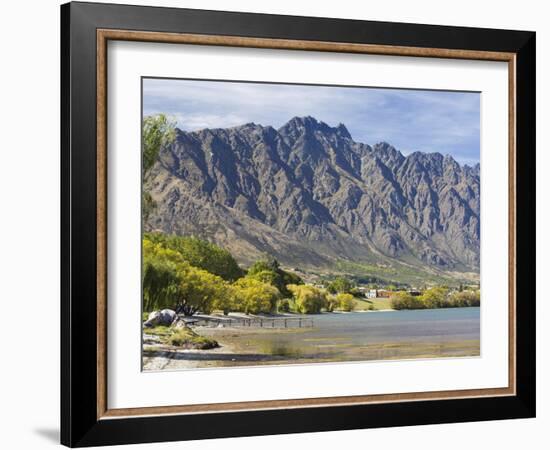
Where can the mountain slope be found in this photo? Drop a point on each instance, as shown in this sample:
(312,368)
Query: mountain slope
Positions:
(310,195)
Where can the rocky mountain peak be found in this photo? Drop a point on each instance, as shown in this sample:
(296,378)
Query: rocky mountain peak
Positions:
(342,131)
(299,126)
(310,195)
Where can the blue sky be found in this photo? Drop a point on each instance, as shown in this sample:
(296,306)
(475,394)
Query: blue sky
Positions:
(411,120)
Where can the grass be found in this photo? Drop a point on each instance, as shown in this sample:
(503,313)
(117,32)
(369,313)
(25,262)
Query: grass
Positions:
(372,304)
(159,330)
(396,273)
(185,337)
(182,337)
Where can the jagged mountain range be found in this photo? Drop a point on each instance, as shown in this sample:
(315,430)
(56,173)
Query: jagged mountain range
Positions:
(310,195)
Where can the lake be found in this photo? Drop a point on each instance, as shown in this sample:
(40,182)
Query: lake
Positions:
(356,336)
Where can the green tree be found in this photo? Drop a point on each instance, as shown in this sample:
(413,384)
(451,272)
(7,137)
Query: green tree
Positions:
(157,132)
(266,263)
(160,277)
(404,300)
(463,299)
(160,285)
(199,291)
(332,303)
(345,302)
(201,254)
(435,297)
(283,305)
(340,285)
(269,271)
(171,282)
(253,296)
(308,299)
(265,276)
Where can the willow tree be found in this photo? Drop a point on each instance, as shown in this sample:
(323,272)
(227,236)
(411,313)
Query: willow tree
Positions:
(171,282)
(253,296)
(201,254)
(269,271)
(308,299)
(199,290)
(158,131)
(160,277)
(345,302)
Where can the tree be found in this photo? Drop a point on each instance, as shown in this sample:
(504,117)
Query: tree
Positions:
(340,285)
(308,299)
(199,290)
(269,271)
(435,297)
(201,254)
(171,282)
(283,306)
(157,132)
(253,296)
(345,302)
(404,300)
(160,285)
(268,262)
(332,303)
(464,298)
(265,276)
(160,277)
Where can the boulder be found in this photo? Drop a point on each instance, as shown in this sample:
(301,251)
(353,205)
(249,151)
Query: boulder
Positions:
(164,317)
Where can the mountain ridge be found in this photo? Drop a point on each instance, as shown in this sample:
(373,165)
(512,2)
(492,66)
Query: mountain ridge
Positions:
(309,194)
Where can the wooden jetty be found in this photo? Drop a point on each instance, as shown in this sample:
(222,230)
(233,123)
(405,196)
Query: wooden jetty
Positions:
(253,322)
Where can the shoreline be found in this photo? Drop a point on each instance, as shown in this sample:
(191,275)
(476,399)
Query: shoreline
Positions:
(228,355)
(334,338)
(238,315)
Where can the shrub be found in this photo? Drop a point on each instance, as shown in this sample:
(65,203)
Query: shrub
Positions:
(404,300)
(340,285)
(435,297)
(283,305)
(200,254)
(465,298)
(345,302)
(308,299)
(252,296)
(332,303)
(269,271)
(171,282)
(185,337)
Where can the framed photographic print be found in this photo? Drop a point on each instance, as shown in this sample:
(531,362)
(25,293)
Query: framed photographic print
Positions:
(276,224)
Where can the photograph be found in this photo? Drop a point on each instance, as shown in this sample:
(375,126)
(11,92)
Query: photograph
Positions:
(298,224)
(280,223)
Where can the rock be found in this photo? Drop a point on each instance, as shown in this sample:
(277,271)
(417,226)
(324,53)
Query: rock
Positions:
(307,193)
(150,339)
(179,323)
(164,317)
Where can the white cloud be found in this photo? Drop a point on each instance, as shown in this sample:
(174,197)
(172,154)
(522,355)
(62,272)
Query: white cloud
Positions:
(411,120)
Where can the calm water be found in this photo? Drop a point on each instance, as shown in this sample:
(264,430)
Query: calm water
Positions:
(354,336)
(384,326)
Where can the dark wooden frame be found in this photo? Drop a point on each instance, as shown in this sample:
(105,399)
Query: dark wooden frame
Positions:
(85,418)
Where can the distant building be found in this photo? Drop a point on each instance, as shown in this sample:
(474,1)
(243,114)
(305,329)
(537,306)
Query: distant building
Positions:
(382,293)
(378,293)
(371,293)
